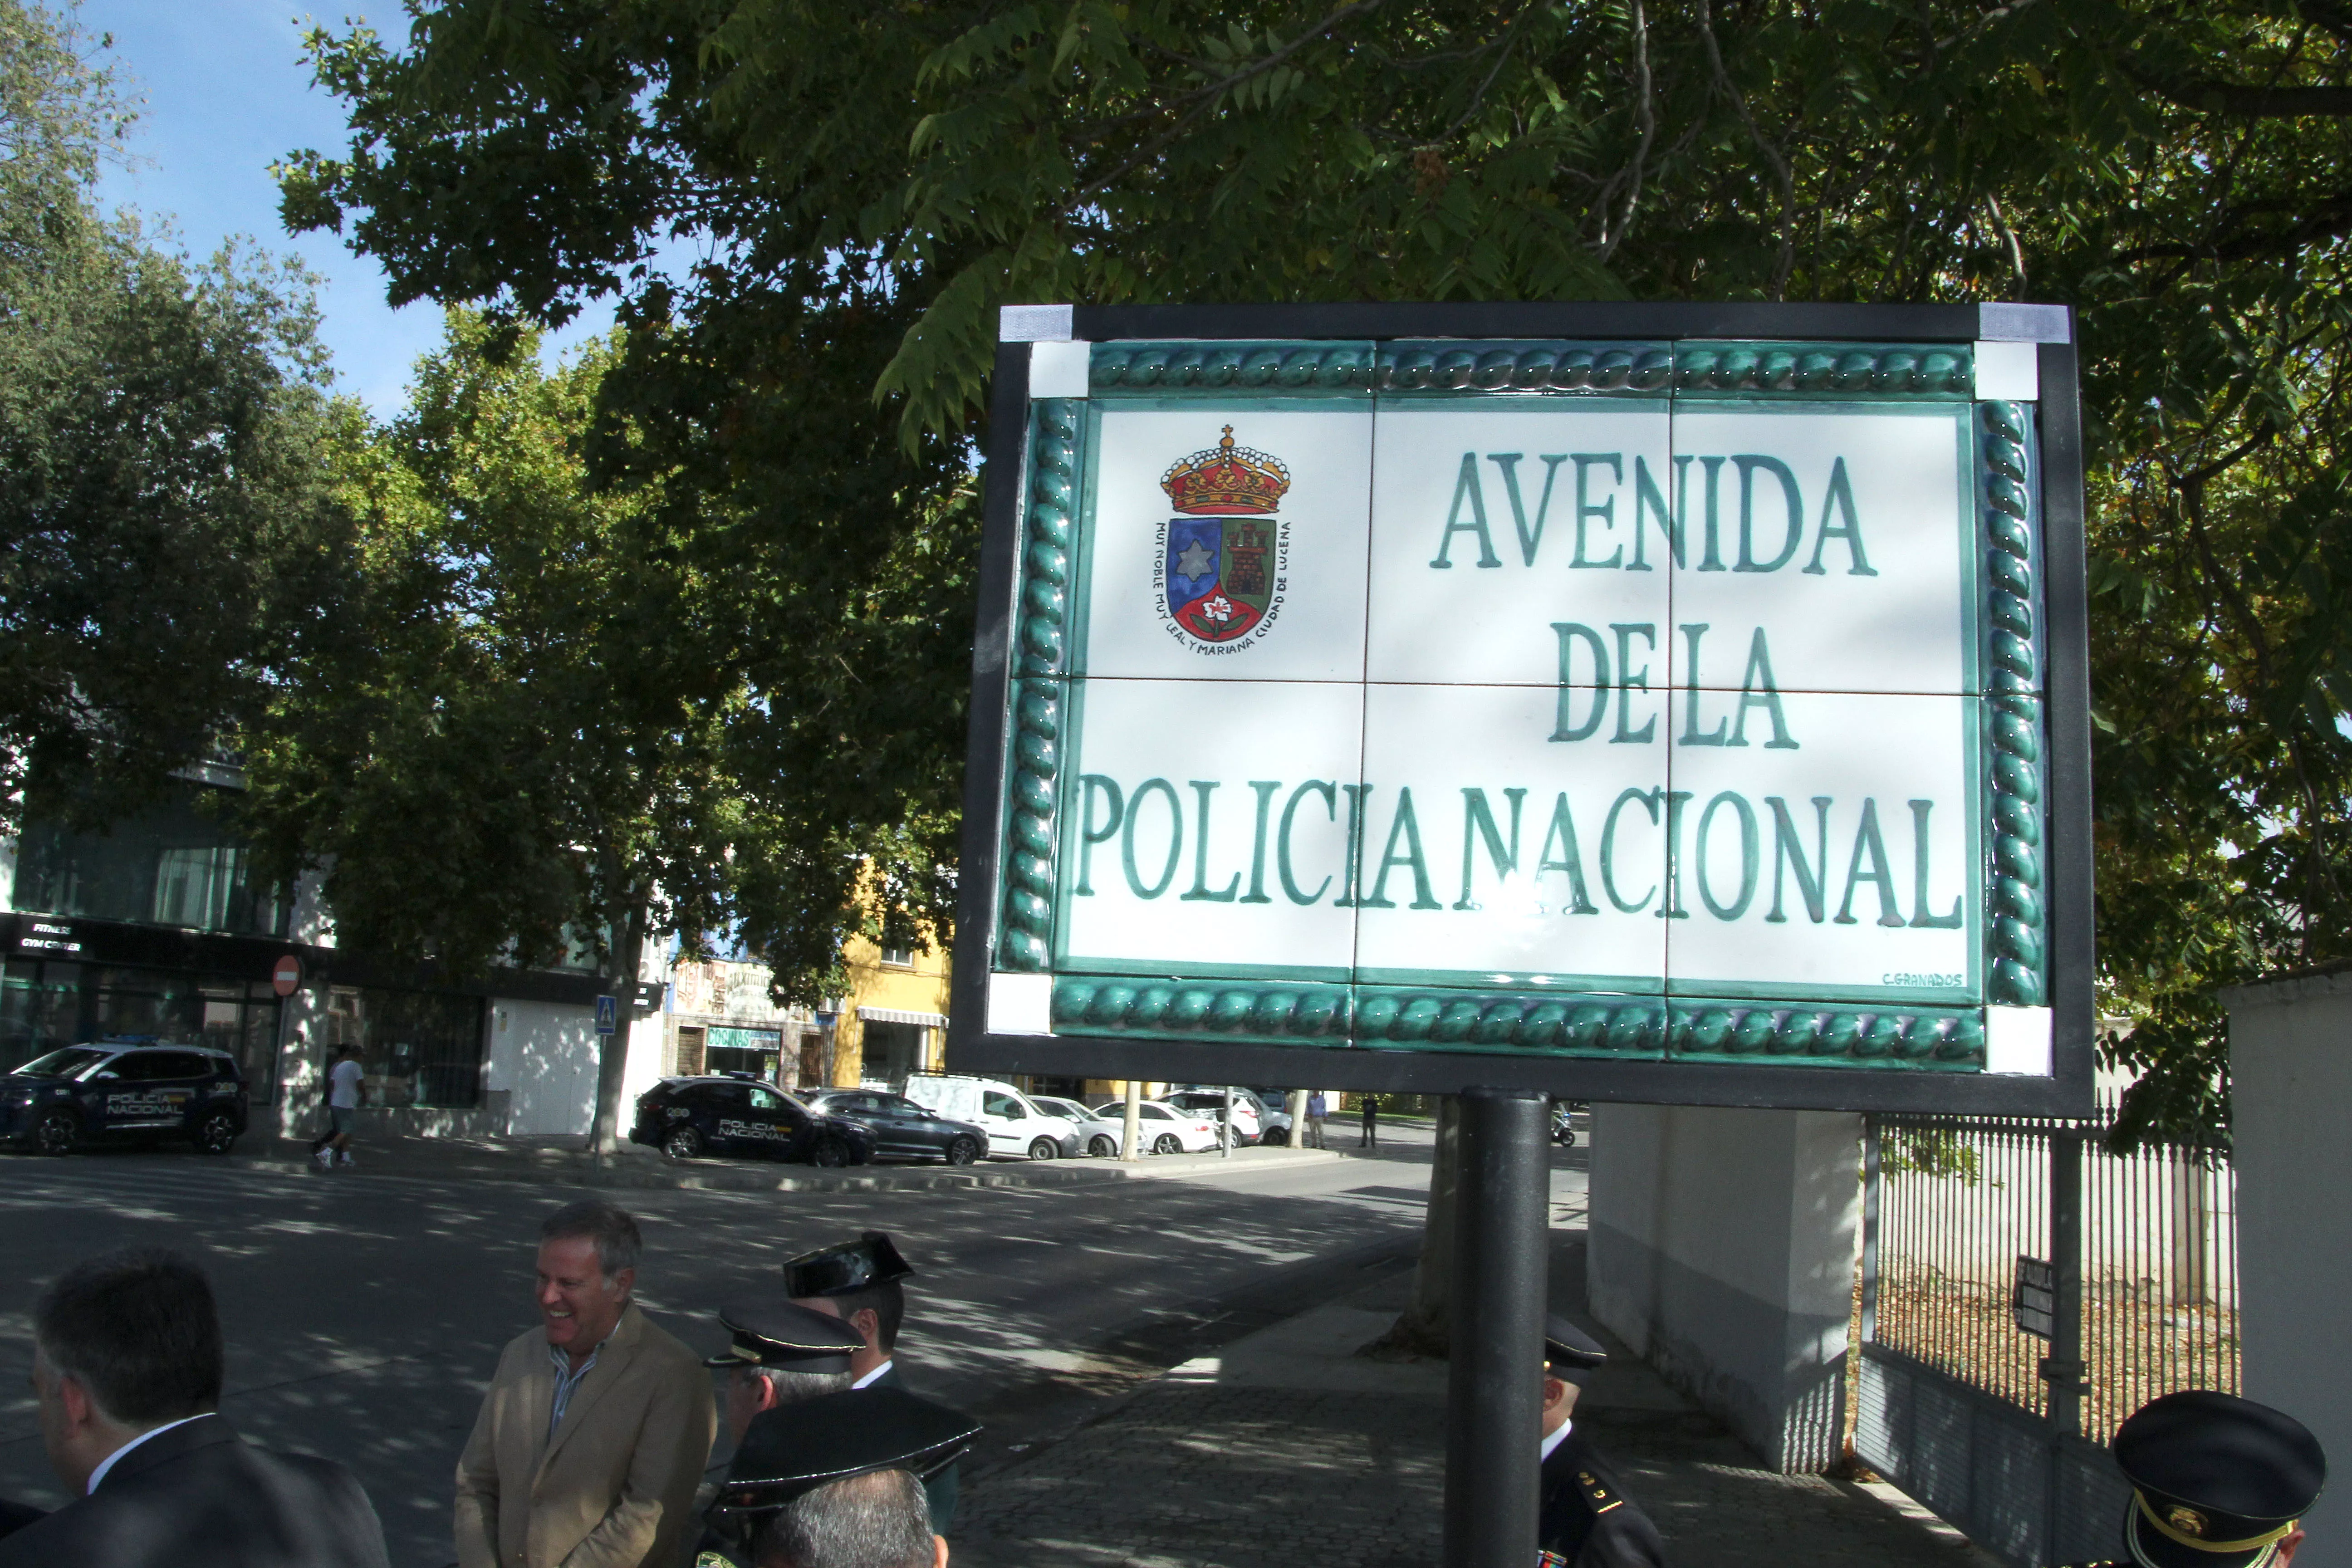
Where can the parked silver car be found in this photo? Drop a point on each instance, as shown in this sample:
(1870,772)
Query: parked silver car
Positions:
(1096,1136)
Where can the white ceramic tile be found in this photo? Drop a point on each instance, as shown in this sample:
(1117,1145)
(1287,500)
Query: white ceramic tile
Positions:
(1594,804)
(1495,520)
(1019,1004)
(1292,582)
(1869,598)
(1870,756)
(2018,1041)
(1271,763)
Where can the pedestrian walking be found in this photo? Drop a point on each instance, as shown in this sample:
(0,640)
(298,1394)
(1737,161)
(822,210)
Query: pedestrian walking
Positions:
(1316,1111)
(333,1147)
(2217,1482)
(1586,1522)
(1372,1109)
(597,1425)
(840,1486)
(127,1364)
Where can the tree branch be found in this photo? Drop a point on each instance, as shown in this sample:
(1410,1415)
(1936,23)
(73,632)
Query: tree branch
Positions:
(1646,116)
(1204,98)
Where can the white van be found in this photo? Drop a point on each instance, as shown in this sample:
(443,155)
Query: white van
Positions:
(1015,1126)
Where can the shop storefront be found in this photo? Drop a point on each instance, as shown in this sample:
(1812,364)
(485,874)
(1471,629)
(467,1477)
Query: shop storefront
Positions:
(65,981)
(416,1048)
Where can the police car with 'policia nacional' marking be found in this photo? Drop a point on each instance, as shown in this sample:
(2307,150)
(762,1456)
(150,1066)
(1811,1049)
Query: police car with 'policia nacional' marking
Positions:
(688,1116)
(124,1091)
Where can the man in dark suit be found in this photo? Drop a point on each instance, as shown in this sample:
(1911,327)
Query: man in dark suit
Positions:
(857,1281)
(1587,1522)
(127,1369)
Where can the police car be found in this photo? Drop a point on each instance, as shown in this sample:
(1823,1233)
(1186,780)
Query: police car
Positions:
(121,1091)
(688,1116)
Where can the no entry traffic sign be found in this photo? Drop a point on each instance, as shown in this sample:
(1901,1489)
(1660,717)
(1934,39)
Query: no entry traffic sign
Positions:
(287,978)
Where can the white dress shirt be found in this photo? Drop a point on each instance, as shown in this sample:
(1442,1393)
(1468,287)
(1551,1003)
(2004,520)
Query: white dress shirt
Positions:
(107,1464)
(1553,1441)
(870,1377)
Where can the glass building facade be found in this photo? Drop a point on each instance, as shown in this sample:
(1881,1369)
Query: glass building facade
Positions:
(175,865)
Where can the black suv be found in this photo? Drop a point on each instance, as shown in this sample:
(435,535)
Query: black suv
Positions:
(685,1117)
(904,1129)
(124,1091)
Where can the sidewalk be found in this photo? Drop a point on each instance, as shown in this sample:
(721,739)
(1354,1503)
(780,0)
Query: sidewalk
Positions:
(1288,1448)
(499,1160)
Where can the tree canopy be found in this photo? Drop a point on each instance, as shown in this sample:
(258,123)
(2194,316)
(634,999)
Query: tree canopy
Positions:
(163,516)
(865,185)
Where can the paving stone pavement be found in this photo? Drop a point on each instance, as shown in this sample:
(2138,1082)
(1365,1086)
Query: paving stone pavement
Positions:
(1187,1475)
(1287,1449)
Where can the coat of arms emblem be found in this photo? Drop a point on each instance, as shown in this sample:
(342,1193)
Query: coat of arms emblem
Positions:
(1223,555)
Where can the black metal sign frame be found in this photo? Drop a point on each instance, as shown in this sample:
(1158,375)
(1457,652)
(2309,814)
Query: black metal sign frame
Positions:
(2065,913)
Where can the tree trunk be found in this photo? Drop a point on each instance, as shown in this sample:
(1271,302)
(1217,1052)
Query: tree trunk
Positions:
(613,1049)
(1426,1326)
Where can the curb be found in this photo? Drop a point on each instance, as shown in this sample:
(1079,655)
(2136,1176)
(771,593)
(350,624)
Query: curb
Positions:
(544,1170)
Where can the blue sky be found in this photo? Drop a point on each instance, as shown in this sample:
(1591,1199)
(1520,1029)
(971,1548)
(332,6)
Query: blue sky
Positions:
(225,94)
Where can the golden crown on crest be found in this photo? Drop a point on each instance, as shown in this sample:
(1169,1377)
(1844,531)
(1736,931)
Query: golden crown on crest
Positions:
(1226,480)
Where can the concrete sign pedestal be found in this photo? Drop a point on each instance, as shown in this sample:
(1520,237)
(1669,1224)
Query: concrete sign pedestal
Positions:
(2291,1080)
(1723,1248)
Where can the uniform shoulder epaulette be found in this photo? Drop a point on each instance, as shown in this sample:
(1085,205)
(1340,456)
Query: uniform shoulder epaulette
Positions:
(1598,1492)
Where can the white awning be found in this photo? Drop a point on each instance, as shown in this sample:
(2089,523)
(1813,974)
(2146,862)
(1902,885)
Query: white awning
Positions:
(894,1016)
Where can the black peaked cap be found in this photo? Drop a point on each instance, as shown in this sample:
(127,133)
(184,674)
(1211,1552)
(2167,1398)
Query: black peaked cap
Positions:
(2216,1478)
(1570,1352)
(796,1448)
(845,1266)
(788,1338)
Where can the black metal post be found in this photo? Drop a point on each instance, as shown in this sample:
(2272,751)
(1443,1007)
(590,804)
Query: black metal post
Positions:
(2064,1369)
(1494,1391)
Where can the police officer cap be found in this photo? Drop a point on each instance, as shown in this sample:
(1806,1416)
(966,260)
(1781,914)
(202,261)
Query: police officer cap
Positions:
(797,1448)
(1571,1354)
(789,1338)
(844,1267)
(2217,1479)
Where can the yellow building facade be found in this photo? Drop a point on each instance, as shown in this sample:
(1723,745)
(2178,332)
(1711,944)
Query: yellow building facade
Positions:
(893,1019)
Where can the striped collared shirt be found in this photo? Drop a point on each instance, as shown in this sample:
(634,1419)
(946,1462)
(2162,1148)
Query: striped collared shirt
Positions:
(566,1382)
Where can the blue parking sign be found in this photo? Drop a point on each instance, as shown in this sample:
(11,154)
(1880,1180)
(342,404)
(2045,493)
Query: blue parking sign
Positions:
(608,1016)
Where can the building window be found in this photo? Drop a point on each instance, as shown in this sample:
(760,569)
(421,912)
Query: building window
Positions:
(754,1052)
(892,1051)
(898,957)
(175,866)
(689,1051)
(415,1048)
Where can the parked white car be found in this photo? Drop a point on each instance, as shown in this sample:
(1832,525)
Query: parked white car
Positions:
(1164,1129)
(1249,1114)
(1016,1128)
(1098,1135)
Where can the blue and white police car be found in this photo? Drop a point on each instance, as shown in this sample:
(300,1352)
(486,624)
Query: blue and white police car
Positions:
(124,1091)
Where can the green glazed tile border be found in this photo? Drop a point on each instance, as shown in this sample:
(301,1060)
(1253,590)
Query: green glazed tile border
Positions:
(1939,372)
(2014,722)
(1216,369)
(1887,1032)
(1448,367)
(1192,1010)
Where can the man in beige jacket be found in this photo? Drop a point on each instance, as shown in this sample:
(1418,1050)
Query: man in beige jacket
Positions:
(598,1425)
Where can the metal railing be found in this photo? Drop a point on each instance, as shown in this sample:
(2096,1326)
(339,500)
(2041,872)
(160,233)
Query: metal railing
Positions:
(2130,1263)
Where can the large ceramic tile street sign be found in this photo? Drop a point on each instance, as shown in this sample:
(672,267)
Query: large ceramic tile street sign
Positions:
(1667,703)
